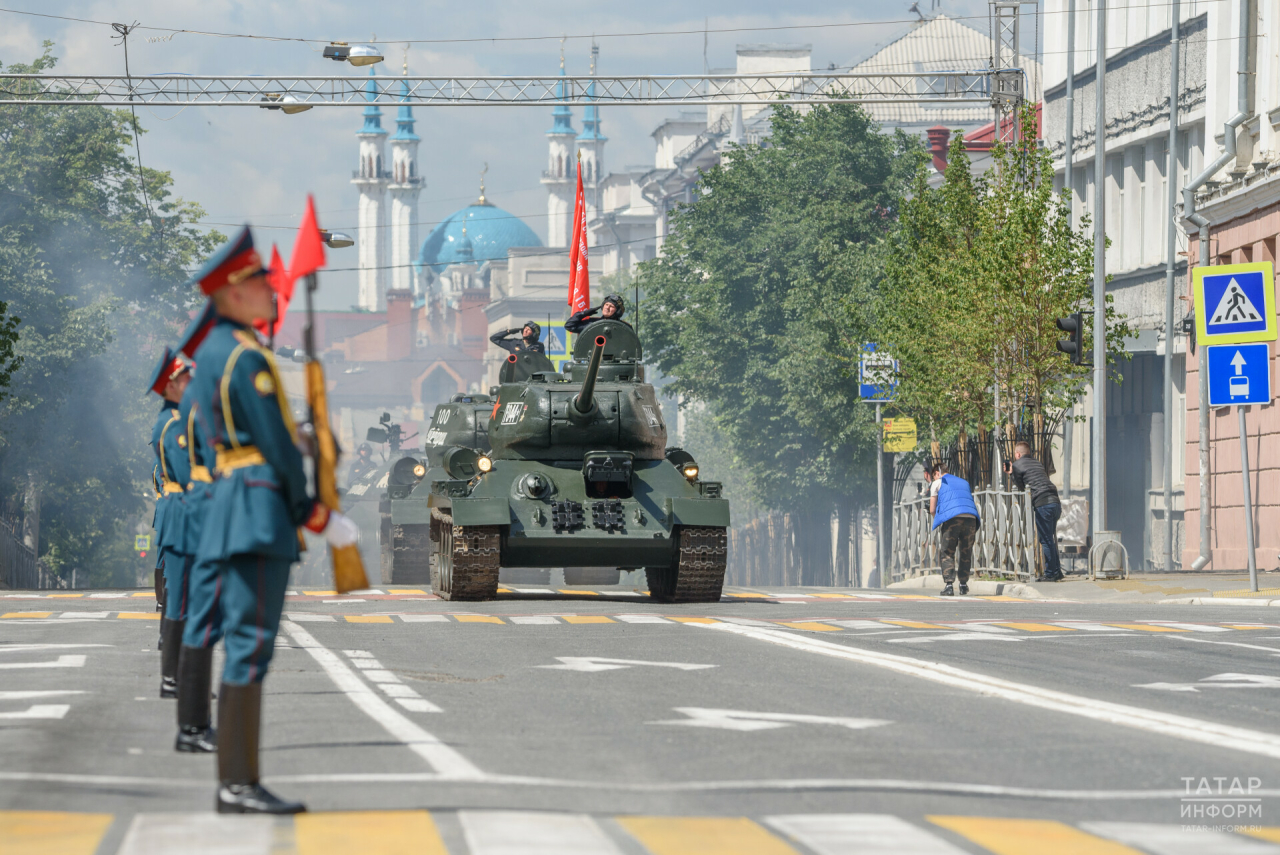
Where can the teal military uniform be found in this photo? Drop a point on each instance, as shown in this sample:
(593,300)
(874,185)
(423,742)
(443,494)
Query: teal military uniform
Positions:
(169,369)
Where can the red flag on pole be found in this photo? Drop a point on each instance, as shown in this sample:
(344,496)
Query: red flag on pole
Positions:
(282,283)
(308,249)
(579,280)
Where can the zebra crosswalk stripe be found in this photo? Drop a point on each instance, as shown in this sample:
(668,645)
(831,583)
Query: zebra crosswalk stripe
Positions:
(861,834)
(534,833)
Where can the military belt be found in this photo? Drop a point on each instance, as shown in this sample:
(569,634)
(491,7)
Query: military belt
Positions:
(171,487)
(200,474)
(231,459)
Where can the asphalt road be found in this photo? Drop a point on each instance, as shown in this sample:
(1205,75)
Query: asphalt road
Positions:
(821,722)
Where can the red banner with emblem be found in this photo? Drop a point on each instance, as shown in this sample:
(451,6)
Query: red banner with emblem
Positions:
(579,280)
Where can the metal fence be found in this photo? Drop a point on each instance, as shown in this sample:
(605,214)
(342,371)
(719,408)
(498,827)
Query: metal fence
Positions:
(19,569)
(1006,544)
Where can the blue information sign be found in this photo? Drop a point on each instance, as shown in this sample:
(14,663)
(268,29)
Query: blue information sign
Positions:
(877,376)
(1239,374)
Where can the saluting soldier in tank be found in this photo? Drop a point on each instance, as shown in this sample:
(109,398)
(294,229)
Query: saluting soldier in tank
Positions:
(259,498)
(528,342)
(610,310)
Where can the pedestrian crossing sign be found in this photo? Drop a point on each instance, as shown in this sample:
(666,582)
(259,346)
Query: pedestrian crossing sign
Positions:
(1235,303)
(141,542)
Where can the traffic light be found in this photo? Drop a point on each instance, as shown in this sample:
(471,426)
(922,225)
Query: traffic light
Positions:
(1073,346)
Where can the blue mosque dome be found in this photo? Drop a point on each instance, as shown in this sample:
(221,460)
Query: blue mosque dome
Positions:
(478,233)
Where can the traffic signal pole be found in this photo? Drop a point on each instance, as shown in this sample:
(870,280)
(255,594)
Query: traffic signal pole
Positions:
(1098,483)
(1171,251)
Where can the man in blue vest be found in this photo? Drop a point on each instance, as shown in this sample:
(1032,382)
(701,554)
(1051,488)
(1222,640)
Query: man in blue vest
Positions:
(951,503)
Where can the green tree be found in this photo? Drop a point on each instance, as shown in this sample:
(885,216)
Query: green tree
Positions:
(9,359)
(96,270)
(744,310)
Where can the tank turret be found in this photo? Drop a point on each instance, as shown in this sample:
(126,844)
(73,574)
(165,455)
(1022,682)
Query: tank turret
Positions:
(577,476)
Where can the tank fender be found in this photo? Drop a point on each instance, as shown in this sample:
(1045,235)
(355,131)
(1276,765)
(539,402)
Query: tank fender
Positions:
(410,512)
(481,511)
(707,512)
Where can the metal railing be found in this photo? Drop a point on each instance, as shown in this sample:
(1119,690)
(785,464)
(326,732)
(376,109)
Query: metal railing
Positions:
(19,569)
(1006,545)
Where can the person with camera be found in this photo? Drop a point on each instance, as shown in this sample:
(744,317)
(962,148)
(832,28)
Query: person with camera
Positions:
(1029,474)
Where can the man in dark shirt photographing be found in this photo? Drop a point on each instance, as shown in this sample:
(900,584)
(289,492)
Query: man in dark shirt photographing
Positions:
(1029,474)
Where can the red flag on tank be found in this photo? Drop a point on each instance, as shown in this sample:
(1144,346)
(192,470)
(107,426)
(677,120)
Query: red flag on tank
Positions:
(579,280)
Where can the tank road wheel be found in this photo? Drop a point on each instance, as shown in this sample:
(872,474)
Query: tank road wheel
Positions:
(410,554)
(467,560)
(696,574)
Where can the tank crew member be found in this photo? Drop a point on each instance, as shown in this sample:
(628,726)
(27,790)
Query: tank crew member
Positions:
(169,381)
(528,343)
(951,503)
(195,664)
(363,464)
(610,310)
(259,498)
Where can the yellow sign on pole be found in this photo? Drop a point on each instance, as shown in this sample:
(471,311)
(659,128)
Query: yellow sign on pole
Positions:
(900,434)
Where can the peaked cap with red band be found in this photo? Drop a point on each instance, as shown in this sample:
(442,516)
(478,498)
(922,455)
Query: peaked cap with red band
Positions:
(199,328)
(170,367)
(234,262)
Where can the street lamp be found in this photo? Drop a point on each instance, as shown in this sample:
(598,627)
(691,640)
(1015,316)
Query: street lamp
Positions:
(354,54)
(336,240)
(286,103)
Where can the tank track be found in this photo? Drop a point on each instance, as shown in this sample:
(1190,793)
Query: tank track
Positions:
(697,574)
(410,554)
(471,555)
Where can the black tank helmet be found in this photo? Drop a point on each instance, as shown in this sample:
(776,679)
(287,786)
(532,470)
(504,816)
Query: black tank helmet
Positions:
(617,303)
(533,325)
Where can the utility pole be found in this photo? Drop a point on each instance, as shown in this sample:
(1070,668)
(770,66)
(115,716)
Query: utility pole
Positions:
(1171,174)
(1099,480)
(1068,182)
(882,550)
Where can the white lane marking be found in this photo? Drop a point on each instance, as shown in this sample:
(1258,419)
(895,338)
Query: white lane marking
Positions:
(109,596)
(641,619)
(84,615)
(1165,724)
(855,624)
(743,621)
(374,591)
(17,648)
(351,600)
(1189,627)
(978,626)
(1218,681)
(423,618)
(1089,626)
(444,759)
(502,832)
(604,663)
(67,660)
(860,834)
(1178,840)
(955,636)
(303,617)
(535,619)
(381,675)
(533,590)
(748,721)
(357,654)
(53,711)
(418,705)
(38,693)
(1275,650)
(199,834)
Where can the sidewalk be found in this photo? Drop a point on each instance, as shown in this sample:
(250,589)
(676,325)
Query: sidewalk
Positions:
(1176,588)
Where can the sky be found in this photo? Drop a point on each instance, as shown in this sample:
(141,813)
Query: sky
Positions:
(243,164)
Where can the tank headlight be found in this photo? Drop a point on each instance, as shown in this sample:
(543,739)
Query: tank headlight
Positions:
(484,464)
(691,471)
(419,470)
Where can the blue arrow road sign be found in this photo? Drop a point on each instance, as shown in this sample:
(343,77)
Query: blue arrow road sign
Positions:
(1239,374)
(877,376)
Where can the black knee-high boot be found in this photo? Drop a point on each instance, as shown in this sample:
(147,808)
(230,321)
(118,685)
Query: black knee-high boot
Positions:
(170,650)
(239,722)
(195,677)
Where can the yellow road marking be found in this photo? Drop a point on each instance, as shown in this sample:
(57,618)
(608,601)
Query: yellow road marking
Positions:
(812,626)
(38,832)
(502,590)
(1021,836)
(320,593)
(1263,832)
(765,596)
(1144,627)
(477,619)
(151,594)
(369,619)
(703,836)
(915,624)
(387,832)
(580,593)
(1245,626)
(1037,627)
(405,591)
(25,615)
(138,615)
(587,619)
(691,619)
(64,596)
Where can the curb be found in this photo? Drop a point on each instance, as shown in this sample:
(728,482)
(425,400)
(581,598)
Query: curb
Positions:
(1221,601)
(979,587)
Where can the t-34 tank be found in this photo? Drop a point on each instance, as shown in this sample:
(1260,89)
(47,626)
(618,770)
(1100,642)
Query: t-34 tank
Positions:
(578,476)
(461,423)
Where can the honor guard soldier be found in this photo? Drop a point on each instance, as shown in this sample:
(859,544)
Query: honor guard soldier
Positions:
(187,599)
(169,381)
(258,500)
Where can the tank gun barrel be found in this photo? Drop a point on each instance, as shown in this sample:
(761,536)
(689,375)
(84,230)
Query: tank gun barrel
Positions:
(583,402)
